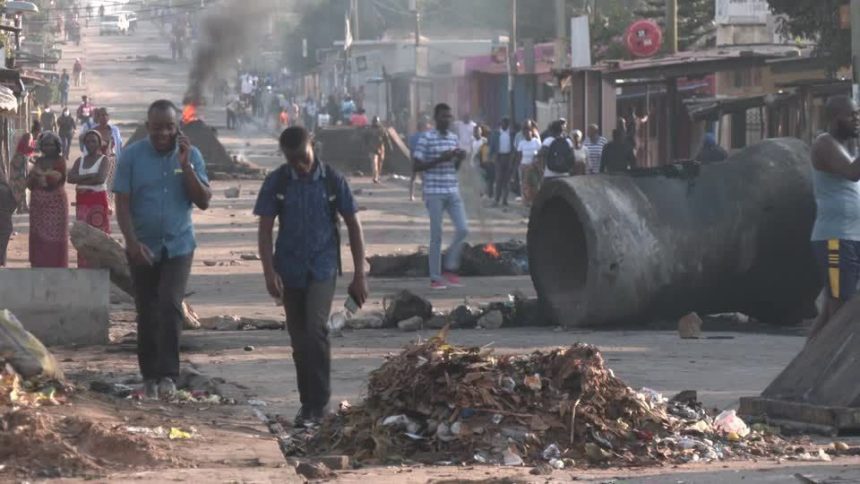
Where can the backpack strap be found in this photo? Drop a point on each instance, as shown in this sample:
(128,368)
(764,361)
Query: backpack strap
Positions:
(330,179)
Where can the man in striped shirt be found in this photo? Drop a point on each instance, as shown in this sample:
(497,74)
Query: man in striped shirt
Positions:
(438,157)
(594,144)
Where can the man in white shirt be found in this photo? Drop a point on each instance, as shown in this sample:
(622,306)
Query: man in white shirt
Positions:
(502,150)
(465,132)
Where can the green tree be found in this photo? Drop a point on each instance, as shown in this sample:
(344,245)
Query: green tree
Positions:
(819,20)
(695,20)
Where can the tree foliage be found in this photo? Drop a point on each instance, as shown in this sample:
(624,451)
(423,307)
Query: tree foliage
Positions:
(819,20)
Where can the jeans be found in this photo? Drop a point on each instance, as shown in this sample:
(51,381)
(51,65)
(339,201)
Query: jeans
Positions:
(159,292)
(307,317)
(436,206)
(64,98)
(504,170)
(66,141)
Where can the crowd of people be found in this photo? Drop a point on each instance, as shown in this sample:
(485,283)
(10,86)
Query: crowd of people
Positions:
(37,176)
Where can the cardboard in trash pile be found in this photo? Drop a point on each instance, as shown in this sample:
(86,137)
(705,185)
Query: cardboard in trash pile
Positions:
(437,401)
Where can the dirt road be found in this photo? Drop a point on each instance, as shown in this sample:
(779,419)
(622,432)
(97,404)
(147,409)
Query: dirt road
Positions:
(125,74)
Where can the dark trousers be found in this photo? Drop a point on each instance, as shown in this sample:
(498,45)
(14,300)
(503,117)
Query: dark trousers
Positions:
(66,140)
(307,317)
(504,170)
(5,233)
(159,292)
(231,119)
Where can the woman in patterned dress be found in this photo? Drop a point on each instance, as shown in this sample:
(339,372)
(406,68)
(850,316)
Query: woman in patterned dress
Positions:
(49,206)
(90,174)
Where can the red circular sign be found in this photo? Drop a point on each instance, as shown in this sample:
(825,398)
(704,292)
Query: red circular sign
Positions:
(644,38)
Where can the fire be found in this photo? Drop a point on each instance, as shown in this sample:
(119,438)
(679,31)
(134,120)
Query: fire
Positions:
(189,113)
(492,251)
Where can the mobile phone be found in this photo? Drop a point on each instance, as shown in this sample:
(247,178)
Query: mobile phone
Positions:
(351,305)
(176,139)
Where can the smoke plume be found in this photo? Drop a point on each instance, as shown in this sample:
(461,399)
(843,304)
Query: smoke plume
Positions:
(225,34)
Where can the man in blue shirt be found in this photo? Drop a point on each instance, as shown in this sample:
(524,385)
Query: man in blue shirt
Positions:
(158,181)
(306,197)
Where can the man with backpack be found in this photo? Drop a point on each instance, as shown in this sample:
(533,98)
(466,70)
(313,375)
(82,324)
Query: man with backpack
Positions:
(300,268)
(557,151)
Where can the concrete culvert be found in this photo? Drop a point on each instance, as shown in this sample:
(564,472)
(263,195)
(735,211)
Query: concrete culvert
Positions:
(724,237)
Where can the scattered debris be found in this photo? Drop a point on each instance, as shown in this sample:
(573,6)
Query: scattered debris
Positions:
(178,434)
(249,348)
(411,324)
(238,323)
(367,321)
(232,192)
(250,256)
(690,326)
(439,402)
(492,320)
(316,470)
(405,305)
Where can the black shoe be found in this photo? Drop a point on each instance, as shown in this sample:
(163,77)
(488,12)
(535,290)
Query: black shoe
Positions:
(301,418)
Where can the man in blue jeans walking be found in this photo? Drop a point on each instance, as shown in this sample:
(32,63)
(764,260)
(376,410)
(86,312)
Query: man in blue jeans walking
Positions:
(439,157)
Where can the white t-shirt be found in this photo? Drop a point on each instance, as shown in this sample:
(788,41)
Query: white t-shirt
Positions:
(505,142)
(529,149)
(466,133)
(547,173)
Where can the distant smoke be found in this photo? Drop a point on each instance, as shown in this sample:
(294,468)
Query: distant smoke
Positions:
(224,36)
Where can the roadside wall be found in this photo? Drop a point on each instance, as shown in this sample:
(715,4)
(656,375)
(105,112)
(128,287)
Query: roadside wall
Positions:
(59,306)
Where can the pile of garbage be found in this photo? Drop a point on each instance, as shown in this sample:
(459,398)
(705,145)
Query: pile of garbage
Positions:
(17,392)
(440,403)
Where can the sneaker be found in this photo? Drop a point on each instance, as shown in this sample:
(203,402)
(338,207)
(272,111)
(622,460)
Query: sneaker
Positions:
(167,388)
(452,279)
(438,285)
(150,389)
(301,418)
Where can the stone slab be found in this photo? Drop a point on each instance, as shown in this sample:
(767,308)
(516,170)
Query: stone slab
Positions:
(59,306)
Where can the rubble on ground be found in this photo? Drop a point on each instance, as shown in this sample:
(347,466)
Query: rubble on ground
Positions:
(518,310)
(239,323)
(437,402)
(500,259)
(24,352)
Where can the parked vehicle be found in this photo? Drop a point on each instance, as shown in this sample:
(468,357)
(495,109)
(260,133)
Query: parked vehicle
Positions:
(113,25)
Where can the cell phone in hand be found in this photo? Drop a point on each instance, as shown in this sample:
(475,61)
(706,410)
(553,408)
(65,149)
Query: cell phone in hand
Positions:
(351,305)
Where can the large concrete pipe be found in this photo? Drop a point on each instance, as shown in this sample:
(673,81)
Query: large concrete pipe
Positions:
(723,237)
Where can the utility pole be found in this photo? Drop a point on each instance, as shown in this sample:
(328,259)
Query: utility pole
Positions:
(855,47)
(561,41)
(672,26)
(354,9)
(512,60)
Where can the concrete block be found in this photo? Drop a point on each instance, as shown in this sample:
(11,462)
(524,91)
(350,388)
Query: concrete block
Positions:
(59,306)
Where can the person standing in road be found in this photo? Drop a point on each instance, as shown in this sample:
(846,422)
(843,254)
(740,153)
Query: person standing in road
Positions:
(531,172)
(78,71)
(310,114)
(85,111)
(20,164)
(594,144)
(465,132)
(8,204)
(438,157)
(66,128)
(49,205)
(90,173)
(836,183)
(306,196)
(375,139)
(423,127)
(158,181)
(63,88)
(618,155)
(502,151)
(48,119)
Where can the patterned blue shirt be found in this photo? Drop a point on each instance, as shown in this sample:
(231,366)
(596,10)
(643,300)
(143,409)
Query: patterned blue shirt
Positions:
(306,248)
(442,178)
(160,205)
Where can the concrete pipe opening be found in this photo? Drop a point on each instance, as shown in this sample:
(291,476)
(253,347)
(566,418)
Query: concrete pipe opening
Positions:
(560,258)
